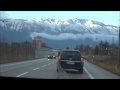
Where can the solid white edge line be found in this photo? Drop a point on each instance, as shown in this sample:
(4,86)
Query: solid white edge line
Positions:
(35,68)
(22,74)
(88,73)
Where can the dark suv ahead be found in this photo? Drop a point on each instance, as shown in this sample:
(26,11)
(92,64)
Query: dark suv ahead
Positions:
(70,59)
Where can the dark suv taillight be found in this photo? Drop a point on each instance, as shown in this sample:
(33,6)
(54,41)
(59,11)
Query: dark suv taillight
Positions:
(81,59)
(59,58)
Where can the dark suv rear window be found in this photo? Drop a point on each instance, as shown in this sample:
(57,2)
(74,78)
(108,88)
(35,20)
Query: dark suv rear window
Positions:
(75,55)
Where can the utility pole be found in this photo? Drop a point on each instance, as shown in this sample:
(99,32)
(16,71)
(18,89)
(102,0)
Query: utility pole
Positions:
(0,44)
(113,47)
(3,42)
(0,35)
(119,40)
(101,49)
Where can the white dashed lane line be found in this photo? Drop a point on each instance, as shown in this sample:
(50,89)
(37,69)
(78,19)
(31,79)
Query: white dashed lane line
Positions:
(43,65)
(49,63)
(22,74)
(35,68)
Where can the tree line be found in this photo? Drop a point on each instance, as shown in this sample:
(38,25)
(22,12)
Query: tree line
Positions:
(103,48)
(16,51)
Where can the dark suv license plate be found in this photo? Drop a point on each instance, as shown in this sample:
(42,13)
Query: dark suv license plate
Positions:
(70,63)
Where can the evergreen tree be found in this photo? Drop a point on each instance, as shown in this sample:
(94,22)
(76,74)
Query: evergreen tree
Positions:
(96,50)
(77,47)
(67,47)
(106,45)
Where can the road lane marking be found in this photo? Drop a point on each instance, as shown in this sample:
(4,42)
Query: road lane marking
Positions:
(21,74)
(22,62)
(88,73)
(49,63)
(35,68)
(43,65)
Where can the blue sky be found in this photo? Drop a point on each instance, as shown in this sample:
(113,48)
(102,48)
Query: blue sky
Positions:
(106,17)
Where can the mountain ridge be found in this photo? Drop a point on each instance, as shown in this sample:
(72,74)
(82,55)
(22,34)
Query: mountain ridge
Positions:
(54,29)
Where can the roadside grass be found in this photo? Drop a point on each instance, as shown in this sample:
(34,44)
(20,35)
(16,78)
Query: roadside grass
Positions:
(106,62)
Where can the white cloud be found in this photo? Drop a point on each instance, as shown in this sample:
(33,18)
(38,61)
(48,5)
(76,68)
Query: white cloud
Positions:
(62,36)
(65,36)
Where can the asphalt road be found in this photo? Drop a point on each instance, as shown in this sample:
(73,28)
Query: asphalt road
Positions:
(46,69)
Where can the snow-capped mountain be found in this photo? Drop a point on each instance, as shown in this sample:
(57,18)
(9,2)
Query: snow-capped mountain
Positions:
(53,29)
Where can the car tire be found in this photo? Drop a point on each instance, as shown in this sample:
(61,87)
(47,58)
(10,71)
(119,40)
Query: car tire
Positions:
(57,69)
(81,71)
